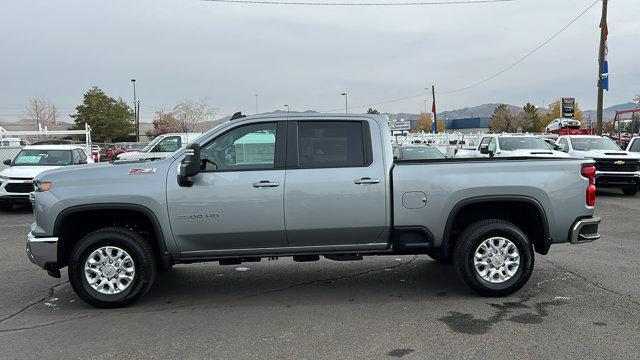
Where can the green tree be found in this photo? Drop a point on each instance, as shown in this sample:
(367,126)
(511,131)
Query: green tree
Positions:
(109,119)
(372,111)
(533,118)
(633,127)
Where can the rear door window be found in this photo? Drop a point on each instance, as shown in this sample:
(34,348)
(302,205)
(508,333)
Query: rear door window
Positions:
(323,144)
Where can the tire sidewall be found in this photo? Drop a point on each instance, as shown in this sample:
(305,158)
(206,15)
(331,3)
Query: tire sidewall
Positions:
(88,245)
(513,234)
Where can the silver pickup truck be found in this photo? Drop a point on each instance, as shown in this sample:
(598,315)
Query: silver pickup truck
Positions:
(304,186)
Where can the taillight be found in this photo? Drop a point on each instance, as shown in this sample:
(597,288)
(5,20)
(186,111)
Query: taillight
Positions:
(589,171)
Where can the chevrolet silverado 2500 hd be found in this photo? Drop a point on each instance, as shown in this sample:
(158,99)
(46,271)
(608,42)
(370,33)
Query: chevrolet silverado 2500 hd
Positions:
(305,186)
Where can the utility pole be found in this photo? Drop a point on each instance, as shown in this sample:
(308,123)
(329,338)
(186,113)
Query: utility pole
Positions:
(138,122)
(435,115)
(601,58)
(136,106)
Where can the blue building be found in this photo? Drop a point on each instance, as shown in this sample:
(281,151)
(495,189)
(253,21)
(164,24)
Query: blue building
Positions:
(468,125)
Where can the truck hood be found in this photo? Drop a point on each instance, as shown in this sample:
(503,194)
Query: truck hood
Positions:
(137,155)
(534,153)
(26,171)
(606,154)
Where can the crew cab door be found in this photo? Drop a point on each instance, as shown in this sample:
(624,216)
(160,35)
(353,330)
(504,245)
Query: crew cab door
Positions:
(236,202)
(335,194)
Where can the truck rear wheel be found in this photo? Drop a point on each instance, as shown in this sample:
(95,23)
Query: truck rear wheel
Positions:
(494,257)
(111,267)
(631,190)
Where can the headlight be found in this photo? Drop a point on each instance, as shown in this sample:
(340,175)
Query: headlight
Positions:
(41,186)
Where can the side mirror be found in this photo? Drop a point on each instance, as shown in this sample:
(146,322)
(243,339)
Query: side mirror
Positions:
(190,165)
(7,162)
(560,147)
(484,149)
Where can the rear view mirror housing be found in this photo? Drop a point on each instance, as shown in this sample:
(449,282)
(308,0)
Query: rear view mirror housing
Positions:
(484,149)
(7,162)
(190,165)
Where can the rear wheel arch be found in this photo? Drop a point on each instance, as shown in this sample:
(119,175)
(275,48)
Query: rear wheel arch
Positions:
(466,212)
(73,223)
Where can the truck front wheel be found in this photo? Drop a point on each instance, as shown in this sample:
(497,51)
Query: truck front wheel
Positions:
(632,190)
(494,257)
(111,267)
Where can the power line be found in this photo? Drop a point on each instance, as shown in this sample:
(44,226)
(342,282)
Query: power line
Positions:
(548,40)
(406,3)
(516,63)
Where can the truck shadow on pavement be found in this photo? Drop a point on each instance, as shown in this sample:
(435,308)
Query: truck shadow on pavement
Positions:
(325,282)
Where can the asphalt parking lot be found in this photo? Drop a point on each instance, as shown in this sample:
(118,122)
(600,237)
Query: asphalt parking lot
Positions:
(581,302)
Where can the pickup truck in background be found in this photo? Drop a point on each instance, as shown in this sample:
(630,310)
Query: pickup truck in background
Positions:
(634,145)
(160,147)
(615,168)
(305,186)
(510,145)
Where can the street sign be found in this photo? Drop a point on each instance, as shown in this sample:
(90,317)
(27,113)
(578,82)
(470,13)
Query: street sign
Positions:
(399,125)
(568,107)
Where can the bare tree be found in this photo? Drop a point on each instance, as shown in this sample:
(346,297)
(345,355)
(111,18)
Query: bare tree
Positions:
(189,113)
(164,123)
(41,110)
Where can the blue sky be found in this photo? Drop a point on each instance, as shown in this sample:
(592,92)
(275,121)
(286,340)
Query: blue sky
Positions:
(307,56)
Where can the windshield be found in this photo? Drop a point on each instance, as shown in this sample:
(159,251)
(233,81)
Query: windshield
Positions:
(152,144)
(522,143)
(43,158)
(595,143)
(421,153)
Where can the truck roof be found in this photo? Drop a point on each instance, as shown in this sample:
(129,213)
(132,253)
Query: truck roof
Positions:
(298,116)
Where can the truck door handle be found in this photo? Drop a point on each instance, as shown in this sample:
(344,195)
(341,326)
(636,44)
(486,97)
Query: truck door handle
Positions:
(266,184)
(366,181)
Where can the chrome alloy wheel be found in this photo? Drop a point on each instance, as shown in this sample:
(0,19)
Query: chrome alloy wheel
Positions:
(496,260)
(109,270)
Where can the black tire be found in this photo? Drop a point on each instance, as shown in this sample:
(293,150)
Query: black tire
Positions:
(468,242)
(139,250)
(631,190)
(6,207)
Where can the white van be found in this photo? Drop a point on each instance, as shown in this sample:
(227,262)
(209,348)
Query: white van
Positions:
(161,147)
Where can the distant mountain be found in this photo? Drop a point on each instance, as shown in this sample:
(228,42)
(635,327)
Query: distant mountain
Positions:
(610,112)
(484,110)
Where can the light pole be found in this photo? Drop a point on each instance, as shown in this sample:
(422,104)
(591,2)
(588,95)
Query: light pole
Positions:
(136,116)
(346,102)
(256,95)
(426,93)
(287,106)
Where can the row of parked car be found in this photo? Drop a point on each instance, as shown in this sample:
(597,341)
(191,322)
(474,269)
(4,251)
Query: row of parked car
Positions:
(16,181)
(615,167)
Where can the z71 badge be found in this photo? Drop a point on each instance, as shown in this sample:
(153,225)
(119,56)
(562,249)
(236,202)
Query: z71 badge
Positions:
(140,171)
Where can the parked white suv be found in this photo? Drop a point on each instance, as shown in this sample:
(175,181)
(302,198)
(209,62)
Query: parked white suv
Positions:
(511,145)
(16,181)
(161,147)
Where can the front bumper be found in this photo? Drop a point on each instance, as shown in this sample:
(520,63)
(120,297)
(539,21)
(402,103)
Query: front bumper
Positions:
(617,179)
(42,251)
(585,230)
